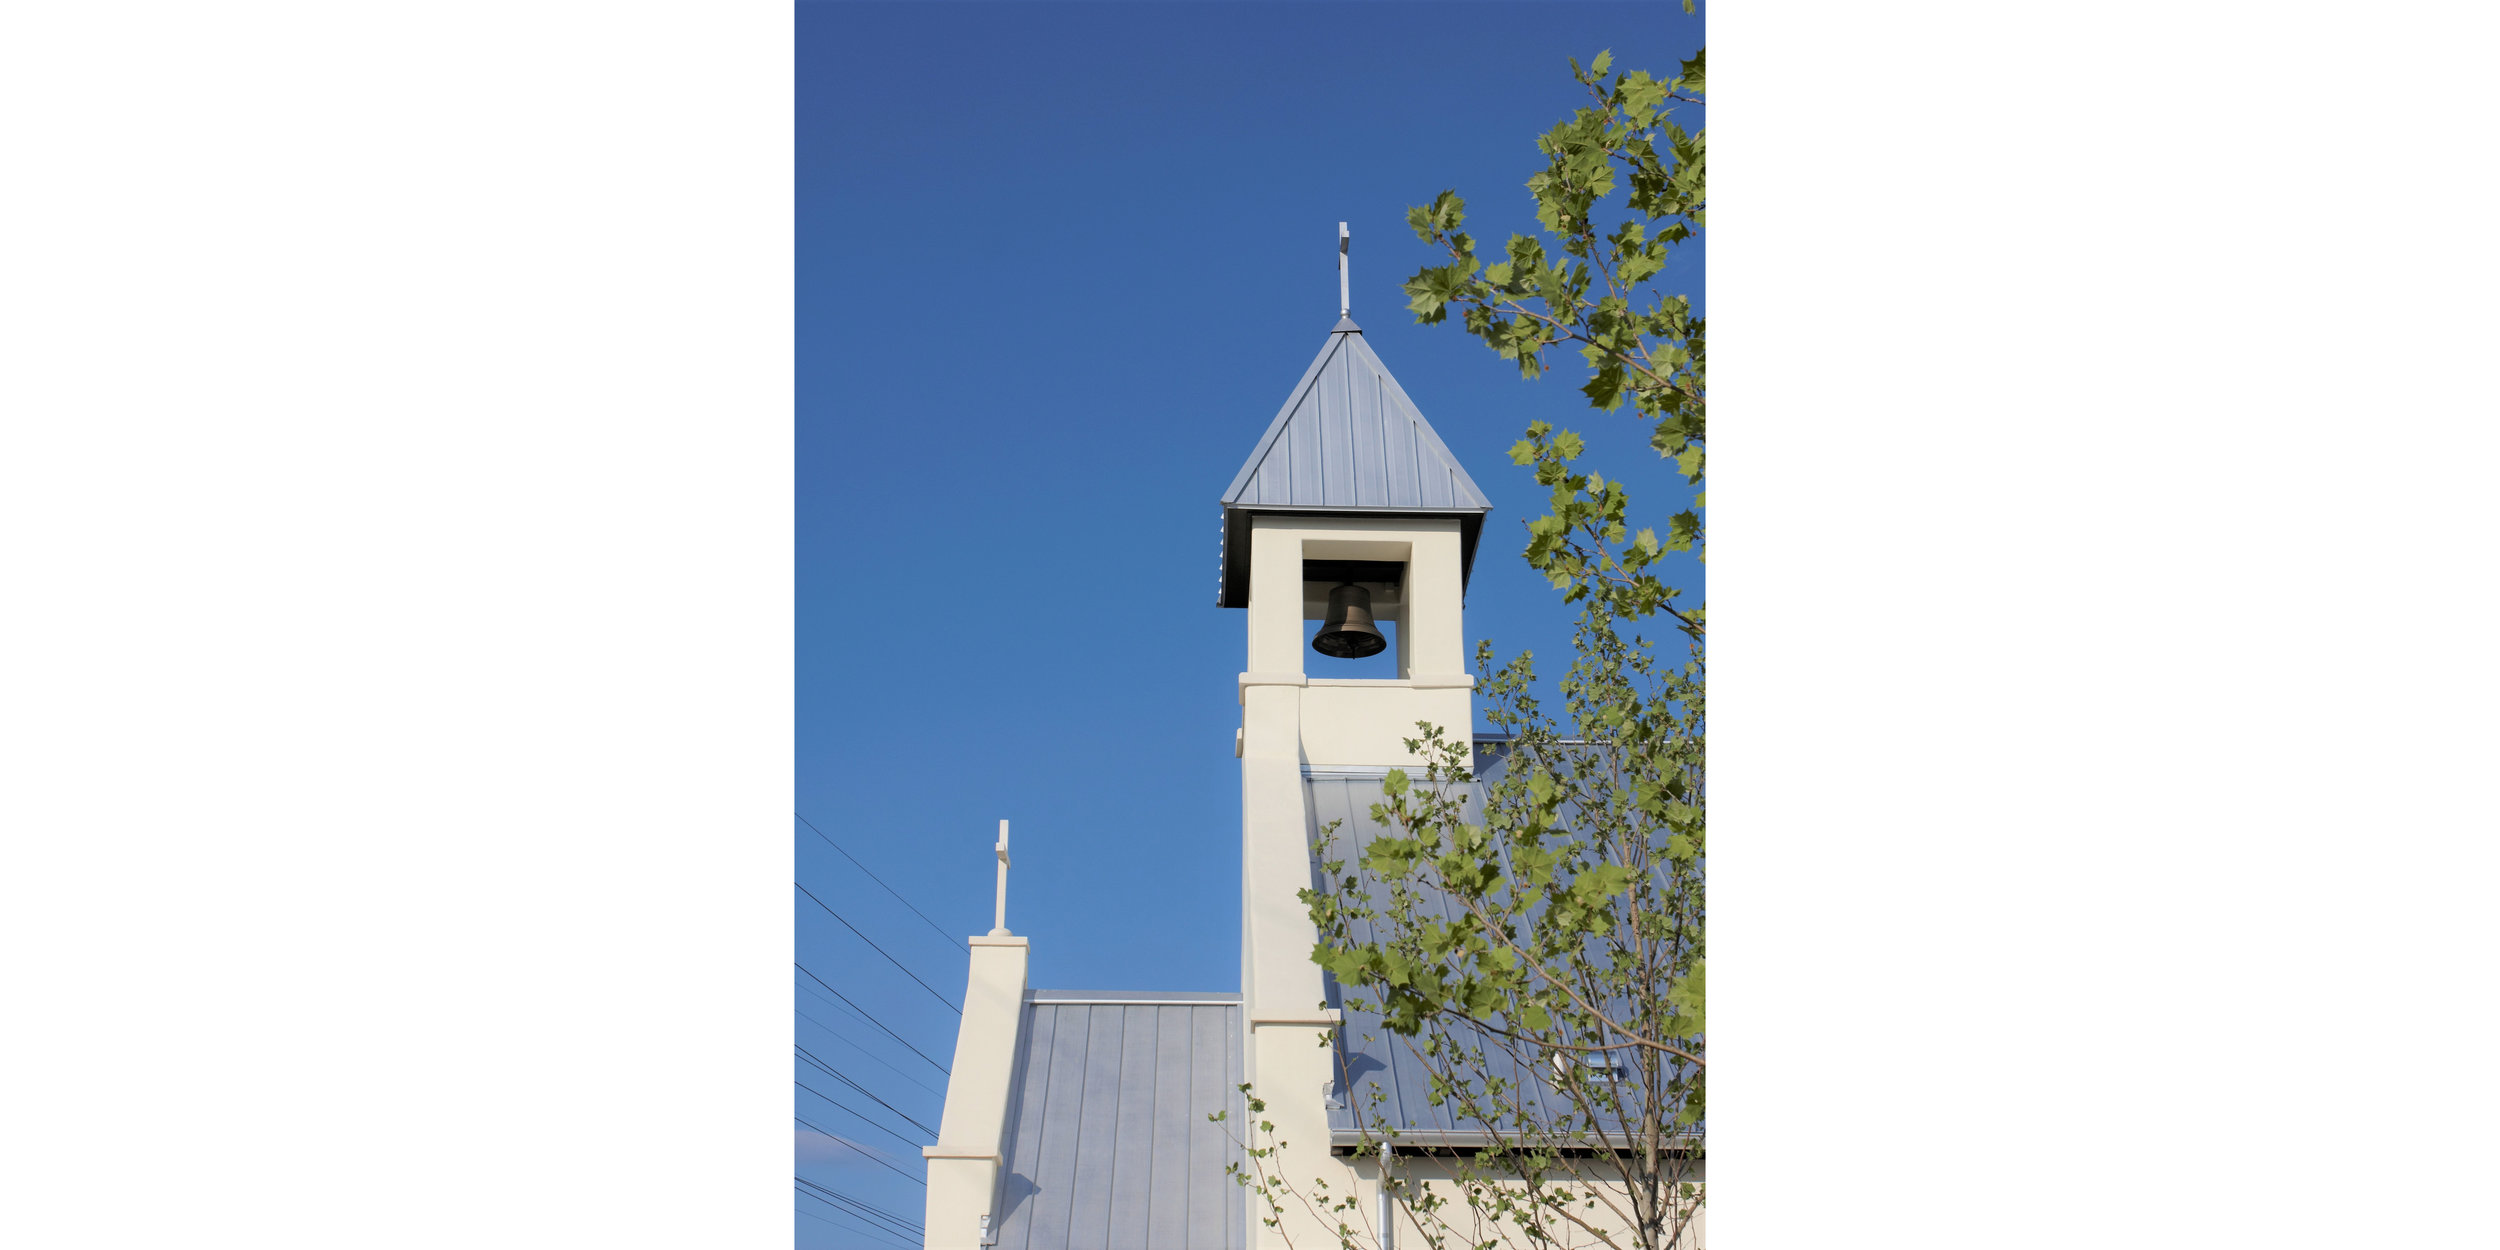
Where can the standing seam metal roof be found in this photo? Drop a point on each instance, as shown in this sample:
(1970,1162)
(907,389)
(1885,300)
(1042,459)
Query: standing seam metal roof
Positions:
(1108,1142)
(1378,1076)
(1348,439)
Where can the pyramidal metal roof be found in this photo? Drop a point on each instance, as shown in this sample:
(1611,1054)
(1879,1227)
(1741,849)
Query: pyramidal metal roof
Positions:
(1348,440)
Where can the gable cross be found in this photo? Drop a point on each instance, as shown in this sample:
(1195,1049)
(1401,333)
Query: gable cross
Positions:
(1001,929)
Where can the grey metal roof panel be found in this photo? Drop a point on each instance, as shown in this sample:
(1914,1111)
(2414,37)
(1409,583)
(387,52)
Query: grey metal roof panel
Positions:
(1348,439)
(1108,1143)
(1377,1074)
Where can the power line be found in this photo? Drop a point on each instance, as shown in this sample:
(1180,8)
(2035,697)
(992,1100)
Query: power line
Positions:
(881,1235)
(869,1018)
(865,1207)
(848,1228)
(864,1154)
(870,1055)
(811,1058)
(885,1236)
(877,1216)
(852,1229)
(924,916)
(813,1216)
(872,945)
(864,1117)
(864,1222)
(903,1221)
(820,1065)
(837,1005)
(914,1236)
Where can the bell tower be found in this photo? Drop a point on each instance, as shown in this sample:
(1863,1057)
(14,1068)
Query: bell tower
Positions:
(1349,511)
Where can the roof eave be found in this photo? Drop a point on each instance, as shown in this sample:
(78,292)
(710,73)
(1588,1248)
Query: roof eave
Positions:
(1233,586)
(1430,1141)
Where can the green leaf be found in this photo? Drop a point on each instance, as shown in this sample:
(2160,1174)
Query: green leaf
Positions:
(1687,997)
(1548,895)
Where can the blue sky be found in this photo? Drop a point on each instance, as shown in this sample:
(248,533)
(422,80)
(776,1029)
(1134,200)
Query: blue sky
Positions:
(1057,267)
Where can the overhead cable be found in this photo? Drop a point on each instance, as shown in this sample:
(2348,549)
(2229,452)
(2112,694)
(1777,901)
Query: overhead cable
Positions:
(924,916)
(871,1056)
(811,1058)
(858,1225)
(838,1006)
(864,1117)
(855,1149)
(863,1014)
(864,1206)
(872,945)
(875,1215)
(810,1212)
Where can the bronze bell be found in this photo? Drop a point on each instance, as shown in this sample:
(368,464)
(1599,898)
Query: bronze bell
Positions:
(1348,634)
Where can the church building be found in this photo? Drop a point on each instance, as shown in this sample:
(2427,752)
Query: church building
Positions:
(1080,1120)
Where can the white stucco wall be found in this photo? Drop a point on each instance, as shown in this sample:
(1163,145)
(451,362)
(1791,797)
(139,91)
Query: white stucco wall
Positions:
(1294,714)
(963,1165)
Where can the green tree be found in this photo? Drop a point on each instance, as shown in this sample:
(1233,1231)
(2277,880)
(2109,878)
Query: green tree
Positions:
(1561,1010)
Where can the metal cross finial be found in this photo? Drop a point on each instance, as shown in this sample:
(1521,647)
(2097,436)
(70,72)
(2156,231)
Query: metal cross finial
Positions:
(1345,239)
(1001,929)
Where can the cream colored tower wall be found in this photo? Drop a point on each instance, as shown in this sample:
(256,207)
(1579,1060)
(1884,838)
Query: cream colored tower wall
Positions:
(1434,646)
(1291,719)
(963,1165)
